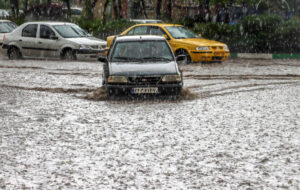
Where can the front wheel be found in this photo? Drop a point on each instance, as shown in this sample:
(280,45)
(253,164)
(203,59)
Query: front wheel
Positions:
(68,55)
(14,53)
(185,53)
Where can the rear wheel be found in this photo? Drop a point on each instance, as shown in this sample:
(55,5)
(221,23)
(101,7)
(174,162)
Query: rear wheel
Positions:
(184,52)
(68,54)
(14,53)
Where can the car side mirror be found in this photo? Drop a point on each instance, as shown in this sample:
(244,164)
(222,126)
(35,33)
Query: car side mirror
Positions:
(102,59)
(181,59)
(200,35)
(167,37)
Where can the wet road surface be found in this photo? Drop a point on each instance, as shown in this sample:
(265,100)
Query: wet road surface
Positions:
(237,126)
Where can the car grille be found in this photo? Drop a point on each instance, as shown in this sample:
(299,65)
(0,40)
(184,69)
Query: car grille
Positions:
(217,58)
(144,80)
(95,47)
(98,47)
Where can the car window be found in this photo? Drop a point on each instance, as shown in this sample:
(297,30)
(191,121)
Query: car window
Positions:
(70,31)
(154,30)
(46,32)
(142,51)
(30,31)
(6,27)
(140,30)
(179,32)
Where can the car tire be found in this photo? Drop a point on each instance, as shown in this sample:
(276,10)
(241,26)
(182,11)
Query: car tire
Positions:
(14,53)
(184,52)
(68,54)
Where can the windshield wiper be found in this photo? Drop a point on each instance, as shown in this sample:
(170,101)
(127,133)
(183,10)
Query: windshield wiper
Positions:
(156,58)
(126,58)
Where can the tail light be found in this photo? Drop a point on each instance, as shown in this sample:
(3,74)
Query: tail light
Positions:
(3,37)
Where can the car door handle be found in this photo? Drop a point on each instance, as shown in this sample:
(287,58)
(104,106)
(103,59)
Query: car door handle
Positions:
(20,40)
(39,42)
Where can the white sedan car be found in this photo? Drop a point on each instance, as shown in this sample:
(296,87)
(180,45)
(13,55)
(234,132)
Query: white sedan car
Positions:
(6,26)
(51,40)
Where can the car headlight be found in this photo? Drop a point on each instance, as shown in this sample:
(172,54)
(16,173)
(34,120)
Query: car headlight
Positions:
(226,48)
(117,79)
(171,78)
(202,48)
(84,47)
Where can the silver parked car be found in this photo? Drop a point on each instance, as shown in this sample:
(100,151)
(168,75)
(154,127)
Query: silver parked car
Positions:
(52,40)
(6,26)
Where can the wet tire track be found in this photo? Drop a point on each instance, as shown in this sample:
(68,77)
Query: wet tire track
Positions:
(52,90)
(243,77)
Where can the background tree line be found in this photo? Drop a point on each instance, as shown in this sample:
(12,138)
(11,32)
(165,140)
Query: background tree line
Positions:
(204,5)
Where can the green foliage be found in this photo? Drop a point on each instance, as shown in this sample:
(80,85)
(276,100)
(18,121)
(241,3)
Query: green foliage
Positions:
(256,34)
(18,21)
(185,21)
(287,35)
(113,27)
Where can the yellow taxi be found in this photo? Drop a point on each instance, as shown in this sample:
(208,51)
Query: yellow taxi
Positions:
(182,42)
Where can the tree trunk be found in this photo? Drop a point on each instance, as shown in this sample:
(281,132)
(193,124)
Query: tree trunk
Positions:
(168,7)
(207,11)
(144,8)
(14,8)
(88,14)
(103,13)
(158,7)
(25,5)
(120,9)
(115,9)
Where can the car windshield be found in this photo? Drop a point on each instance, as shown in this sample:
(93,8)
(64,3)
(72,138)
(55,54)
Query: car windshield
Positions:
(70,31)
(179,32)
(142,51)
(6,27)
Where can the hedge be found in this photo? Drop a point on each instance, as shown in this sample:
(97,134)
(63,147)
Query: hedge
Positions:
(256,34)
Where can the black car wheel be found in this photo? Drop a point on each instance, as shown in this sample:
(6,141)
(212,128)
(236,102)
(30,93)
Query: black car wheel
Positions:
(69,55)
(14,53)
(184,52)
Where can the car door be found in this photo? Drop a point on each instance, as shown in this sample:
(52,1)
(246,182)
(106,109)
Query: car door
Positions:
(47,42)
(27,41)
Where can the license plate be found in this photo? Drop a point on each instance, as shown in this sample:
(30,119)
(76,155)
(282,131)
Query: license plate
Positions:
(219,54)
(152,90)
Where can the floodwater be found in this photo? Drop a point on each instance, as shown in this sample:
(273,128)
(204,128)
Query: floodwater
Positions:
(236,126)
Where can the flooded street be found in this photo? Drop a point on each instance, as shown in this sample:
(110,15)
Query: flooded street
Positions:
(237,126)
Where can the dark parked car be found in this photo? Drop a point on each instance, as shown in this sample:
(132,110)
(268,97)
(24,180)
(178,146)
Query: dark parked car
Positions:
(142,65)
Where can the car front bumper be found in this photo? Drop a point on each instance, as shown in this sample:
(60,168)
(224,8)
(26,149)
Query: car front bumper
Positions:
(87,54)
(209,56)
(168,89)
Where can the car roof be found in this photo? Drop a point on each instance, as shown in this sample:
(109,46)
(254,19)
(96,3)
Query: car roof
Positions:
(50,23)
(158,24)
(139,38)
(5,21)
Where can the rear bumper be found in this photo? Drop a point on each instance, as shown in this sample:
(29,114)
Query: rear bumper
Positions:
(209,56)
(172,89)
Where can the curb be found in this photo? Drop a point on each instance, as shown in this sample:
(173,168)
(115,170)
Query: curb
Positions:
(264,56)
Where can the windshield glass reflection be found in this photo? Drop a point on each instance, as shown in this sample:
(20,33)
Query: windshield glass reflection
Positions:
(145,51)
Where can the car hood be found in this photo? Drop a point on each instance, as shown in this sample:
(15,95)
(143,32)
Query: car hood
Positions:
(201,42)
(87,41)
(147,68)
